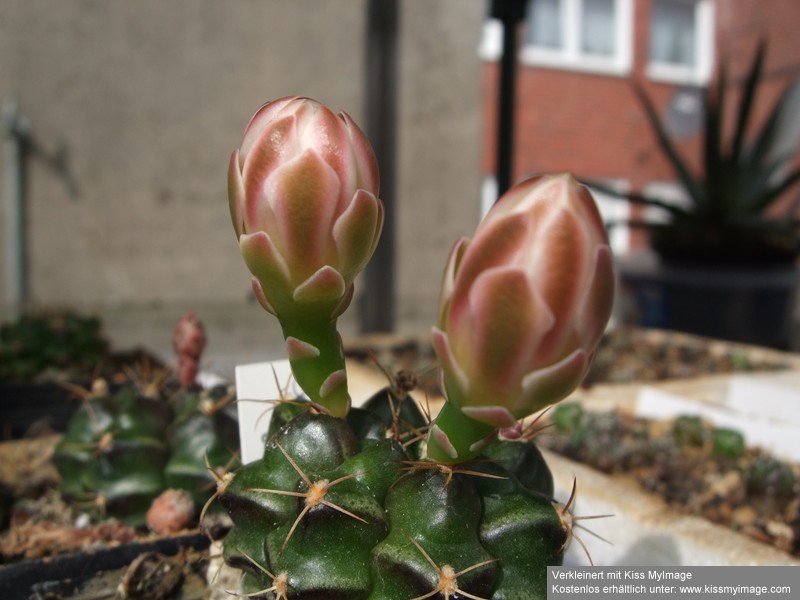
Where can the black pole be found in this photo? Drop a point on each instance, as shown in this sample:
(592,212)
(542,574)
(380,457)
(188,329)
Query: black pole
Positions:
(510,13)
(377,303)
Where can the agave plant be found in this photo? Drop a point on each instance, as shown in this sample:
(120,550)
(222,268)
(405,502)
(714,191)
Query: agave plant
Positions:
(731,213)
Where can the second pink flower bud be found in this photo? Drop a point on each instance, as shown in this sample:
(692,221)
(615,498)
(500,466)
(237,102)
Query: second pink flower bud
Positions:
(524,303)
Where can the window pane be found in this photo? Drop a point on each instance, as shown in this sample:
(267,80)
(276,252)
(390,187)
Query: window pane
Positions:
(597,27)
(672,32)
(544,23)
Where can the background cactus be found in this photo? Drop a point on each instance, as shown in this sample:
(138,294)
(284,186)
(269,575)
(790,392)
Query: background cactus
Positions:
(63,341)
(113,453)
(123,448)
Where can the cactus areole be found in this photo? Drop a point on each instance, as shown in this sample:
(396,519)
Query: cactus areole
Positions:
(376,502)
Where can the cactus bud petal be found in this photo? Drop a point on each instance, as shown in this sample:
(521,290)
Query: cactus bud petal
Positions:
(443,441)
(455,378)
(258,291)
(496,416)
(267,264)
(355,242)
(323,287)
(236,194)
(550,384)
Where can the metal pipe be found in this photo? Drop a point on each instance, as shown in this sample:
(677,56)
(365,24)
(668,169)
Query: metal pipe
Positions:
(16,129)
(510,13)
(377,305)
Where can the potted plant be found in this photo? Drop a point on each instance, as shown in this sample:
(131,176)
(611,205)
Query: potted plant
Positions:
(40,355)
(376,501)
(727,255)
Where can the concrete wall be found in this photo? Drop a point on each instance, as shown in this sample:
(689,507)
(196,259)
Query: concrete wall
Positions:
(136,106)
(440,145)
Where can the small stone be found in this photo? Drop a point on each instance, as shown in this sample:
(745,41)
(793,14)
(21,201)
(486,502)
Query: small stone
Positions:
(780,530)
(745,516)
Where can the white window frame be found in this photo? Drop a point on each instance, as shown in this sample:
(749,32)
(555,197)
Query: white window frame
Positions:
(571,57)
(488,194)
(491,46)
(701,72)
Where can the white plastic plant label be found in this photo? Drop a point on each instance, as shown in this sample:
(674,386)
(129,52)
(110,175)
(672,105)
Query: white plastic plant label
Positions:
(764,398)
(258,387)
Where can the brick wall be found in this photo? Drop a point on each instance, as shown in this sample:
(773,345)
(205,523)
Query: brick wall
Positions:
(592,124)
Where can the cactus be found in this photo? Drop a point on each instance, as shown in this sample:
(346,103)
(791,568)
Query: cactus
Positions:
(113,452)
(376,502)
(33,343)
(689,431)
(727,443)
(203,431)
(122,449)
(336,514)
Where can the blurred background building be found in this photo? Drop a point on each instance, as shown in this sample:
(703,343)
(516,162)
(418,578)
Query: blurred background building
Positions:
(576,109)
(128,111)
(133,109)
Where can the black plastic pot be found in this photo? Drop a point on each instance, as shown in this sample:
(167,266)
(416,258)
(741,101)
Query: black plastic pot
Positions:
(27,579)
(23,404)
(748,304)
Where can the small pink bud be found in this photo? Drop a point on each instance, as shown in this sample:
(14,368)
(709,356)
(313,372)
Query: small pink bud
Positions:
(189,341)
(171,512)
(303,194)
(524,303)
(189,336)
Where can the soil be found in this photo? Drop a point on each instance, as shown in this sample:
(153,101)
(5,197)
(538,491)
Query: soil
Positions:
(696,469)
(625,355)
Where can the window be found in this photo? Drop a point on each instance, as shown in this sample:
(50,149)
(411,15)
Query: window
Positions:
(488,194)
(681,41)
(592,35)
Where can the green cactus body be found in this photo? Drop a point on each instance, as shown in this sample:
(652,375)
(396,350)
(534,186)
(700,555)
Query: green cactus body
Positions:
(343,509)
(199,432)
(114,452)
(122,450)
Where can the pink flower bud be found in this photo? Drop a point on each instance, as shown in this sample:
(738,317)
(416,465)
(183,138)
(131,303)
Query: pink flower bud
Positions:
(303,191)
(189,341)
(189,336)
(524,303)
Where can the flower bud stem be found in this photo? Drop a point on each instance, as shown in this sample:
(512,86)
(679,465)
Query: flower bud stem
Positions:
(455,432)
(320,369)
